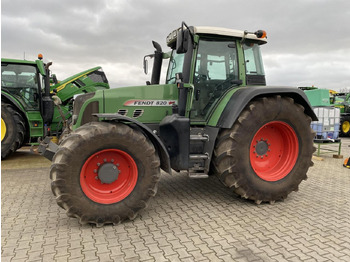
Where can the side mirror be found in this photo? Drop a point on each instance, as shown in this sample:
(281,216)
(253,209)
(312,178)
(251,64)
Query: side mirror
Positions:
(182,41)
(54,79)
(145,63)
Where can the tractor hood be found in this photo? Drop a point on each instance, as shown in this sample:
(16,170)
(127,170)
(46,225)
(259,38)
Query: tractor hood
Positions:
(87,81)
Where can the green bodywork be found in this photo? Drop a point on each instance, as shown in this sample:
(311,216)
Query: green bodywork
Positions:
(23,84)
(342,102)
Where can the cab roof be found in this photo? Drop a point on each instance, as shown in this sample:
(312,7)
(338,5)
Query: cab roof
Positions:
(208,30)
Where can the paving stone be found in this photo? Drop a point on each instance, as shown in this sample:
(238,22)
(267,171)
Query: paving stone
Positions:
(188,220)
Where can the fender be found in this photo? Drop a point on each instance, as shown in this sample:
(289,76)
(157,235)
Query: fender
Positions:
(158,144)
(240,99)
(6,97)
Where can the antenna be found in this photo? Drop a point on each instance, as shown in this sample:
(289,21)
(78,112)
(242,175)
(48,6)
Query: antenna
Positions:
(24,55)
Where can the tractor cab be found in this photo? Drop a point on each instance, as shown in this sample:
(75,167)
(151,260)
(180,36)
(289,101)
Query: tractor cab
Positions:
(213,60)
(24,81)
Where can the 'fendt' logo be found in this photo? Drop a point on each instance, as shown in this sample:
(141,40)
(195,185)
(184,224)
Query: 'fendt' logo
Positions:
(149,102)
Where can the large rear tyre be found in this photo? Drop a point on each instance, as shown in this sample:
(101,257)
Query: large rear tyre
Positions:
(267,152)
(345,126)
(104,173)
(12,130)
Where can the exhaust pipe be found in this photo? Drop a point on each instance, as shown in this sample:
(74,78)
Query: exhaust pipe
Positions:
(157,65)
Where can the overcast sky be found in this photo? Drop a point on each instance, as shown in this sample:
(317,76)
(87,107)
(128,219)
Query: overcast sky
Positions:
(308,40)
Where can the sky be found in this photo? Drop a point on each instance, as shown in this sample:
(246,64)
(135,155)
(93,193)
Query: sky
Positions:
(308,40)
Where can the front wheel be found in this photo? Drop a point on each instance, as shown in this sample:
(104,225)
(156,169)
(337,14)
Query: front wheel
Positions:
(267,152)
(104,173)
(345,126)
(12,130)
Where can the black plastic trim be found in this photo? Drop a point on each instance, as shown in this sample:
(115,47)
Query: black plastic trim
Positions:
(158,144)
(244,95)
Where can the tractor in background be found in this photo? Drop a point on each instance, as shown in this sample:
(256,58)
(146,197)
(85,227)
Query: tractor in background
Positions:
(342,101)
(28,113)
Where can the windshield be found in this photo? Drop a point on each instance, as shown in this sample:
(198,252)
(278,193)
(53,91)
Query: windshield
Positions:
(21,81)
(175,66)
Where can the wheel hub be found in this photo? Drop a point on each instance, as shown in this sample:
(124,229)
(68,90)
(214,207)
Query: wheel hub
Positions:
(108,176)
(108,173)
(262,147)
(274,151)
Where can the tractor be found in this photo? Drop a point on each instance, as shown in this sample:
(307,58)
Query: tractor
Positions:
(342,101)
(28,113)
(213,116)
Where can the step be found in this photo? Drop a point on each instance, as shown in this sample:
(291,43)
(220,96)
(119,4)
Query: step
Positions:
(199,156)
(199,137)
(197,175)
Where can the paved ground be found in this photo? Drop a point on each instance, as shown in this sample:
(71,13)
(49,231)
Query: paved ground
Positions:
(188,220)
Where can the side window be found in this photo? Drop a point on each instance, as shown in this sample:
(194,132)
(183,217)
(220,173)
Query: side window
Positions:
(21,81)
(253,61)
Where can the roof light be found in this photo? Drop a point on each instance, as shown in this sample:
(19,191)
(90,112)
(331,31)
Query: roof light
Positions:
(40,56)
(260,34)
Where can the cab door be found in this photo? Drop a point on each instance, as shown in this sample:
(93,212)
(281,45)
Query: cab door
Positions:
(216,71)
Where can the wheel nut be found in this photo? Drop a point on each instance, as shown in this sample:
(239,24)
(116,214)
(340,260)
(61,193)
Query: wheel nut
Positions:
(96,177)
(98,164)
(95,171)
(105,160)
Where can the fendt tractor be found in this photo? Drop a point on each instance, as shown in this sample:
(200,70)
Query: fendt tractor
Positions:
(28,112)
(213,116)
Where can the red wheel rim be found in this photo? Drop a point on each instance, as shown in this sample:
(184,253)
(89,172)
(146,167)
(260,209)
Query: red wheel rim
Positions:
(118,164)
(274,151)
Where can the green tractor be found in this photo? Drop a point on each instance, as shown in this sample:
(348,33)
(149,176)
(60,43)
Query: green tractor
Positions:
(342,101)
(213,116)
(28,112)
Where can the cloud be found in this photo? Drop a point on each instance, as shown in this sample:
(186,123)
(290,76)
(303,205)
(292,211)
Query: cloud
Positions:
(308,40)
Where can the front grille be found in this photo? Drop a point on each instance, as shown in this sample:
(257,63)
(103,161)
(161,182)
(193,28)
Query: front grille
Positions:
(90,109)
(78,103)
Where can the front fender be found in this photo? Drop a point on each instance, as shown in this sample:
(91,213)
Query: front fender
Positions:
(240,99)
(158,144)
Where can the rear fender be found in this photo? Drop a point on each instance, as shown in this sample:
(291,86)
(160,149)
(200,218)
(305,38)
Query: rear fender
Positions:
(240,99)
(158,144)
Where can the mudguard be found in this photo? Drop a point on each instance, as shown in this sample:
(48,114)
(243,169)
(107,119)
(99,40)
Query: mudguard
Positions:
(11,100)
(244,95)
(158,144)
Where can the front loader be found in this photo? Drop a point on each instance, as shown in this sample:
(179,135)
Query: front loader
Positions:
(28,113)
(213,116)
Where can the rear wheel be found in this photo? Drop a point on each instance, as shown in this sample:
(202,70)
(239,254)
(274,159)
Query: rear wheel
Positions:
(105,173)
(12,130)
(345,126)
(267,152)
